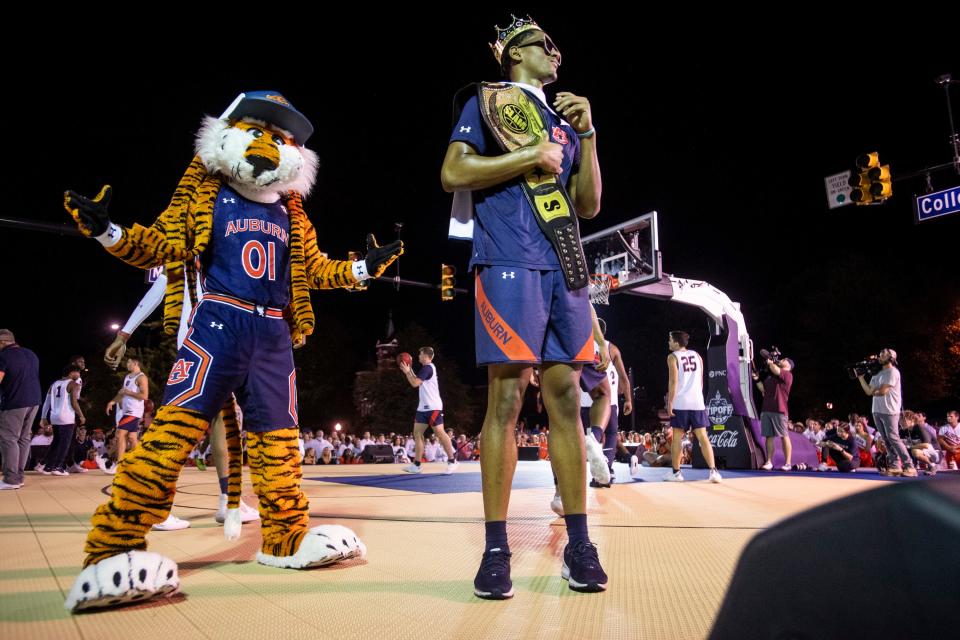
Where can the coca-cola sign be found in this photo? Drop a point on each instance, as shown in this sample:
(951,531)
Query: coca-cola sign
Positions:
(724,440)
(719,409)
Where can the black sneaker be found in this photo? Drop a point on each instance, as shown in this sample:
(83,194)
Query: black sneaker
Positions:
(599,485)
(581,568)
(493,578)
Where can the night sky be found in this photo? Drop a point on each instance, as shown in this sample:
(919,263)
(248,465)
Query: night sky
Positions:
(726,131)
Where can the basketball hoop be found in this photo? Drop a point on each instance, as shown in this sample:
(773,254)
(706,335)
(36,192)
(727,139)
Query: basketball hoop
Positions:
(600,286)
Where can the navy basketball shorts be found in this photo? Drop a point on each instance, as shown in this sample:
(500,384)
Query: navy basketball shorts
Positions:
(689,419)
(236,347)
(530,316)
(429,418)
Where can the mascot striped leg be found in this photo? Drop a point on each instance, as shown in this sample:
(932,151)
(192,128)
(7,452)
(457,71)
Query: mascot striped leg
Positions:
(118,568)
(288,542)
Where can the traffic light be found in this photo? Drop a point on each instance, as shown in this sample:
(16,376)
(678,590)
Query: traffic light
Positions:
(871,182)
(447,281)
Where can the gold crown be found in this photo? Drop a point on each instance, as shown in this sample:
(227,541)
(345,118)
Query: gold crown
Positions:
(519,25)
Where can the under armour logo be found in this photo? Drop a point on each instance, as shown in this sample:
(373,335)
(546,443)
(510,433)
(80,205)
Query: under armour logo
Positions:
(505,275)
(216,325)
(229,201)
(465,129)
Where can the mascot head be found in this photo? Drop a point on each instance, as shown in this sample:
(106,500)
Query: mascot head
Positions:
(257,147)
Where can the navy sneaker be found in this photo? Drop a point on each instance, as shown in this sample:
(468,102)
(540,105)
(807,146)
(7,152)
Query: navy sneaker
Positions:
(581,568)
(493,577)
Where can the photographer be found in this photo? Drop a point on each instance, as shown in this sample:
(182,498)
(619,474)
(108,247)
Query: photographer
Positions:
(886,392)
(773,414)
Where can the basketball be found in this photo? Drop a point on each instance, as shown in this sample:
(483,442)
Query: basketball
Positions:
(405,358)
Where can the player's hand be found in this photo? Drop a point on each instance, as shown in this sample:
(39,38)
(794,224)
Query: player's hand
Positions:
(627,406)
(575,109)
(110,406)
(115,351)
(670,411)
(548,156)
(299,340)
(90,215)
(406,368)
(44,423)
(604,358)
(379,258)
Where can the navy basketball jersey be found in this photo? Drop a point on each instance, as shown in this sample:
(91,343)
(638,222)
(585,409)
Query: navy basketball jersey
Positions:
(249,252)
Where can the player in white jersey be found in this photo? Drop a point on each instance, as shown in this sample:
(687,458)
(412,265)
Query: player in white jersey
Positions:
(685,402)
(62,410)
(429,410)
(130,399)
(606,432)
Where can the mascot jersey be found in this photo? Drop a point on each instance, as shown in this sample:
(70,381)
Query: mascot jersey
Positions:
(238,340)
(250,253)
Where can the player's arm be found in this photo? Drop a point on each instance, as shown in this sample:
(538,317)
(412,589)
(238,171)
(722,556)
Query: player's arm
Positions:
(73,390)
(673,372)
(411,377)
(147,306)
(600,340)
(466,170)
(625,385)
(585,184)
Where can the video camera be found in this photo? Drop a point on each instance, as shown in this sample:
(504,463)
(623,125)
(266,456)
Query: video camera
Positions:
(773,353)
(868,366)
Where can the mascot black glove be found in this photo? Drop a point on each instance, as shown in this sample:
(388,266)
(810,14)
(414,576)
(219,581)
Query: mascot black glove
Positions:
(90,215)
(379,258)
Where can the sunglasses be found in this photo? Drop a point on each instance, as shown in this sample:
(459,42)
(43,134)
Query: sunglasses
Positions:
(546,44)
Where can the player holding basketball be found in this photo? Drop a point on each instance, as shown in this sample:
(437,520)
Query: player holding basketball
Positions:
(430,409)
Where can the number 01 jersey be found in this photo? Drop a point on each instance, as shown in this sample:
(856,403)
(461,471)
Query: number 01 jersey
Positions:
(249,256)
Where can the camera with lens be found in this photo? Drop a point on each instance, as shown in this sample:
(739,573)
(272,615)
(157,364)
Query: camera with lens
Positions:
(773,353)
(867,367)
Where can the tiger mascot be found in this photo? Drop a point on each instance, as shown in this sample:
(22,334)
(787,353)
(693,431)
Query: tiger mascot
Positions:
(236,221)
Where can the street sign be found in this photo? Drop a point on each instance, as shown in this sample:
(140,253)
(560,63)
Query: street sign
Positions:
(934,205)
(838,190)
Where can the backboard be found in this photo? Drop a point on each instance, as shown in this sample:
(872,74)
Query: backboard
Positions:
(629,252)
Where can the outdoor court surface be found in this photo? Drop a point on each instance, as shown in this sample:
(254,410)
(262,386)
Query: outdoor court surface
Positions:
(669,550)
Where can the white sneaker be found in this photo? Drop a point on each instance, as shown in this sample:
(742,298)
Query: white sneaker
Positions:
(823,467)
(39,468)
(60,472)
(767,466)
(102,464)
(77,469)
(634,465)
(221,515)
(557,505)
(953,465)
(451,467)
(596,460)
(413,469)
(172,523)
(248,513)
(715,476)
(674,477)
(8,487)
(786,467)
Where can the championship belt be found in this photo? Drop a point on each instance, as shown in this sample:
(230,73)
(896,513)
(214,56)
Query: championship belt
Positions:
(516,121)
